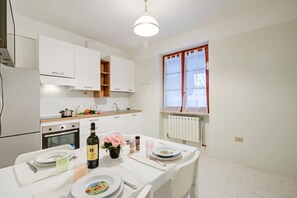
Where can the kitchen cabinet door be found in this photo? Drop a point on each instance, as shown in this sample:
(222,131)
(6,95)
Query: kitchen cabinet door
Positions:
(134,123)
(86,122)
(129,76)
(55,58)
(118,123)
(87,69)
(104,124)
(117,74)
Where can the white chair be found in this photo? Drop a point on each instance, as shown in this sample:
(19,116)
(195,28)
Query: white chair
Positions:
(183,182)
(32,155)
(145,192)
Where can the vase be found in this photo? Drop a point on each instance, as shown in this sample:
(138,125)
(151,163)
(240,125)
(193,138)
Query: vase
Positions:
(114,152)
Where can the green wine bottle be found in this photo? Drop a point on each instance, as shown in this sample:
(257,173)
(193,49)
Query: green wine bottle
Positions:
(93,148)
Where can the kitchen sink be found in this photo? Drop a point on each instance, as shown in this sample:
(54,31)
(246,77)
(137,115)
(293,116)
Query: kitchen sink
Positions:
(115,111)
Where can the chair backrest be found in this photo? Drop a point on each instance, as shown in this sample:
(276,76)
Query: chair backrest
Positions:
(145,192)
(184,178)
(32,155)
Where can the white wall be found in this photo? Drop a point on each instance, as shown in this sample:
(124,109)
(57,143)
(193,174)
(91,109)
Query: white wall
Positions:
(148,94)
(56,98)
(149,65)
(253,95)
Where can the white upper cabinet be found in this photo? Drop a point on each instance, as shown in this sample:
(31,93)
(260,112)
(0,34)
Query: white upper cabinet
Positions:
(130,76)
(116,73)
(55,58)
(87,69)
(122,74)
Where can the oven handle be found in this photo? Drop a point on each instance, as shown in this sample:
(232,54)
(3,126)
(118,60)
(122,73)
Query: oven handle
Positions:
(65,133)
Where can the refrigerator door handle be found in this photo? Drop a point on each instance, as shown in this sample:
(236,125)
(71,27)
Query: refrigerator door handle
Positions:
(1,110)
(1,105)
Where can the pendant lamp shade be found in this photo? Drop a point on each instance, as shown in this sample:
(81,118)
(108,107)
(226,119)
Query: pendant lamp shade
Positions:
(146,25)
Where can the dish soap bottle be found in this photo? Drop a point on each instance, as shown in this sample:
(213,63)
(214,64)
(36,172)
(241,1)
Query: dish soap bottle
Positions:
(93,148)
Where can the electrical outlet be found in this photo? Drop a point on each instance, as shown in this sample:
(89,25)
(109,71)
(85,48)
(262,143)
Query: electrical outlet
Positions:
(238,139)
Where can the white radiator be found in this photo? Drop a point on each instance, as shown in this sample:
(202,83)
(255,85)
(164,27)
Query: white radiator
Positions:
(184,128)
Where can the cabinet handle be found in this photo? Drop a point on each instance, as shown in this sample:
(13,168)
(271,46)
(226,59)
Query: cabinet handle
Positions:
(134,115)
(88,87)
(59,73)
(116,117)
(130,89)
(117,88)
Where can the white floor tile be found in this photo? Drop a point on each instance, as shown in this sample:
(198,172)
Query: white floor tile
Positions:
(219,179)
(260,184)
(290,186)
(244,194)
(260,192)
(278,189)
(246,187)
(226,195)
(225,188)
(290,193)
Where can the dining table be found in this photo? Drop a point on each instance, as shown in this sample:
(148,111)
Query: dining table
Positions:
(134,167)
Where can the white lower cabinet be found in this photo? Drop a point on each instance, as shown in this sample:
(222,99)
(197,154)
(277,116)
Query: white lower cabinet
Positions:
(118,123)
(101,124)
(133,123)
(105,125)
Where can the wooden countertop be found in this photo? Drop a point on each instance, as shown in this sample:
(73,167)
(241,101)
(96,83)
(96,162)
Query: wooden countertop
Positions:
(104,113)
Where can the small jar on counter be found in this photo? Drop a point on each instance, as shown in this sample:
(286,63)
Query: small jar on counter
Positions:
(137,143)
(131,145)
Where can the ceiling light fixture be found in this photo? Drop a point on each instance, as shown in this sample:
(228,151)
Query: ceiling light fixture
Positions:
(146,25)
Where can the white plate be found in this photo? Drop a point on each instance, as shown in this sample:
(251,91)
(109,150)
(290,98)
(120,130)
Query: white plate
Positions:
(166,151)
(118,192)
(166,158)
(113,181)
(51,156)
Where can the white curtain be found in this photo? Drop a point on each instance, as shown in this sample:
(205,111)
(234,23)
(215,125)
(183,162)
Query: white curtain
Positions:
(172,83)
(195,81)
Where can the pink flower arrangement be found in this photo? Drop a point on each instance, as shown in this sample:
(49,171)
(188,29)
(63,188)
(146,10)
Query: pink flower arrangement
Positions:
(115,141)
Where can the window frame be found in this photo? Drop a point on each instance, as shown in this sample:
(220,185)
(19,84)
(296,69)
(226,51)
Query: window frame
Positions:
(183,52)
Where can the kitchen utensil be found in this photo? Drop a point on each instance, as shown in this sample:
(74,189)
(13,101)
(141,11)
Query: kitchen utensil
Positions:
(32,167)
(130,185)
(66,113)
(152,158)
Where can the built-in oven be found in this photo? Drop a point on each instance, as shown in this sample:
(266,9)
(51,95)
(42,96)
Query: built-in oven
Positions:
(56,135)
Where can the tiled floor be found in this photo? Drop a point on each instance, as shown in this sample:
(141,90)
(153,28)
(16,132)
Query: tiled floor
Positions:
(220,179)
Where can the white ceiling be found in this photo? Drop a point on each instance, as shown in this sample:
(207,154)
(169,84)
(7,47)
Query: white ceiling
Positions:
(111,21)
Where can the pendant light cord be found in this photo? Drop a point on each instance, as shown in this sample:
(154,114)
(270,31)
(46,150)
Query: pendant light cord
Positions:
(145,5)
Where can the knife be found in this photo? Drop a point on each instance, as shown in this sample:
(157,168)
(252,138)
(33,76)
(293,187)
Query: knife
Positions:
(130,185)
(33,168)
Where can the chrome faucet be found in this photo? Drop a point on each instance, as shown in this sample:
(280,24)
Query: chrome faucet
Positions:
(117,108)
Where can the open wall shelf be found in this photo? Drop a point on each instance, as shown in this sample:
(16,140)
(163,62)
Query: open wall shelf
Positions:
(105,80)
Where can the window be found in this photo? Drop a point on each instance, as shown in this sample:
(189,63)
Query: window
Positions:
(185,81)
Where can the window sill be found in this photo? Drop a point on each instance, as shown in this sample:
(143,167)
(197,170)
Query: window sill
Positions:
(185,113)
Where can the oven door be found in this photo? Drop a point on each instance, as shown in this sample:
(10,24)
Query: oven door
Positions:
(59,138)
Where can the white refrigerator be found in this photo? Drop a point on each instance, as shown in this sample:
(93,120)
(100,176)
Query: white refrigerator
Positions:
(19,113)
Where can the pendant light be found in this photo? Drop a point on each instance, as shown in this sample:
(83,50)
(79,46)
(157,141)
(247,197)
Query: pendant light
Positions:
(146,25)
